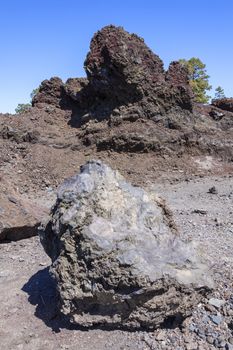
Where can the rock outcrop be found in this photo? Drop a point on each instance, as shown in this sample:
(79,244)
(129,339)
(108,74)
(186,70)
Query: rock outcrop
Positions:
(225,104)
(51,92)
(121,70)
(121,66)
(116,254)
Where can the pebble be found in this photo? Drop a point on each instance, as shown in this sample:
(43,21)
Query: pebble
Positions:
(216,302)
(217,319)
(191,346)
(160,336)
(192,327)
(210,340)
(213,190)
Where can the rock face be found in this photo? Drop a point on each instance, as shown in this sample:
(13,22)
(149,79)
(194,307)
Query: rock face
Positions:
(224,103)
(121,70)
(116,254)
(20,216)
(121,65)
(51,92)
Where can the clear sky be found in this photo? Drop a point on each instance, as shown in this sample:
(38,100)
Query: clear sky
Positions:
(44,38)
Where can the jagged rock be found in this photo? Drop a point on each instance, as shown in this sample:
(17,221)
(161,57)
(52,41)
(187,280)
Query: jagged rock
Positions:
(51,92)
(74,88)
(177,74)
(224,103)
(116,254)
(119,64)
(17,135)
(121,70)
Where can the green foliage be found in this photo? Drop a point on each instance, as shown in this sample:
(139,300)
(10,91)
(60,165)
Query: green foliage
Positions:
(22,107)
(33,93)
(219,93)
(198,78)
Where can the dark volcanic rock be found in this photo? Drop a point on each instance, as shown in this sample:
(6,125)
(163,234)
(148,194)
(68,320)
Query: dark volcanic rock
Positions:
(51,92)
(119,64)
(74,88)
(121,70)
(116,254)
(121,67)
(177,74)
(224,103)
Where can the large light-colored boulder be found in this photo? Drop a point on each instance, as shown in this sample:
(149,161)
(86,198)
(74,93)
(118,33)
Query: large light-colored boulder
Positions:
(116,254)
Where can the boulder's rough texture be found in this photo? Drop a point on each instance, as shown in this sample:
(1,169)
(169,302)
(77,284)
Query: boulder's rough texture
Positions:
(224,103)
(117,256)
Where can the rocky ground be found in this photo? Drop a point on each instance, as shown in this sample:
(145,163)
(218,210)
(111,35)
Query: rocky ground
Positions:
(141,120)
(28,300)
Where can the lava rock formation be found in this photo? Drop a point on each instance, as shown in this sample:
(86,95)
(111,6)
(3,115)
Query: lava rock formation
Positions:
(121,70)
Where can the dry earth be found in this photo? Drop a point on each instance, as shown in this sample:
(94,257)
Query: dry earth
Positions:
(28,300)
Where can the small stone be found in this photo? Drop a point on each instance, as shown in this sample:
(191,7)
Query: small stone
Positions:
(213,190)
(191,346)
(192,327)
(160,336)
(210,340)
(218,222)
(216,302)
(217,319)
(230,340)
(199,211)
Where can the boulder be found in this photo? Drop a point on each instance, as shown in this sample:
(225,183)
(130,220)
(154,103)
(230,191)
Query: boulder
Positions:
(116,254)
(225,104)
(19,216)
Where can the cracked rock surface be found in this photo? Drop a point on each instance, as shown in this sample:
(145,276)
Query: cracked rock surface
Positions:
(116,255)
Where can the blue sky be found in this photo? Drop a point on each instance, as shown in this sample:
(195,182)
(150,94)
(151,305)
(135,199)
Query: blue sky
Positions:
(44,38)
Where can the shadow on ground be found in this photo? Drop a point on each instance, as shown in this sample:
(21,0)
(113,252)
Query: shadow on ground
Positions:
(41,290)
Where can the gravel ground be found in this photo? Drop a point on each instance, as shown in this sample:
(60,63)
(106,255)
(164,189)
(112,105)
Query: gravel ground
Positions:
(28,301)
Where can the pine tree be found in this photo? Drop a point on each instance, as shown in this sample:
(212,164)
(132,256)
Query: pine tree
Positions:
(198,78)
(219,93)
